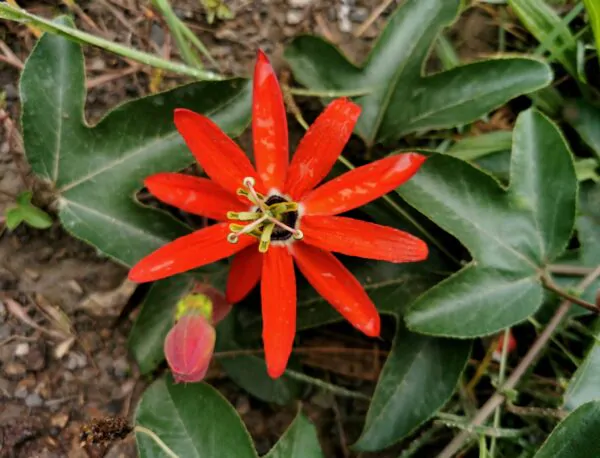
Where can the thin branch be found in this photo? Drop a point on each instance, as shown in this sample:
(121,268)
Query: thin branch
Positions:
(551,286)
(497,398)
(566,269)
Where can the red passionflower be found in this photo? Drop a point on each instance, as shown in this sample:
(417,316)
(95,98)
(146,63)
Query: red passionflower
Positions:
(277,208)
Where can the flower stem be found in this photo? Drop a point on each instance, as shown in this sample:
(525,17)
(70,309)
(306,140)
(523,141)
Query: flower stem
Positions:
(20,15)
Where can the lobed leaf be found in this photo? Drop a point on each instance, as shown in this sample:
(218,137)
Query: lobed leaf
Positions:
(96,170)
(512,234)
(400,98)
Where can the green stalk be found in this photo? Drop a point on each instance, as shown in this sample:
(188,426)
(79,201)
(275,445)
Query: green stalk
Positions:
(501,377)
(19,15)
(187,53)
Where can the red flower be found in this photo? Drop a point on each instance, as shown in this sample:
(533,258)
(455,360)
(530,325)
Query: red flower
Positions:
(277,207)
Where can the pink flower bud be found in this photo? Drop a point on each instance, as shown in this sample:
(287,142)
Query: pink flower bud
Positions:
(189,348)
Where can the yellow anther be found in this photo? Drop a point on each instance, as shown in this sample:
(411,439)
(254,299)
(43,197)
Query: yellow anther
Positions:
(244,216)
(265,238)
(298,234)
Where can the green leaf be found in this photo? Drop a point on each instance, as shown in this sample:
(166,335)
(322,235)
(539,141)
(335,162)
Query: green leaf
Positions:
(588,223)
(478,146)
(97,170)
(585,383)
(401,100)
(418,378)
(593,10)
(585,119)
(586,169)
(157,316)
(28,213)
(24,198)
(14,217)
(299,441)
(250,371)
(549,29)
(575,436)
(36,217)
(512,235)
(192,420)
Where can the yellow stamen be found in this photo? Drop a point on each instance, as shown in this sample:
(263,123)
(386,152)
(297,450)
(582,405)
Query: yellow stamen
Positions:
(265,238)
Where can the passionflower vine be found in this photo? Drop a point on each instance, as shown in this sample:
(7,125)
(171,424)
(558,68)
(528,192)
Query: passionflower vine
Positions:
(275,215)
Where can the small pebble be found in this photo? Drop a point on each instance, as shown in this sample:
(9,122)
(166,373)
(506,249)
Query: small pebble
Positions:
(75,287)
(59,420)
(35,358)
(22,349)
(31,274)
(11,92)
(294,17)
(21,392)
(34,400)
(242,405)
(5,331)
(5,387)
(299,3)
(359,14)
(121,368)
(14,368)
(75,361)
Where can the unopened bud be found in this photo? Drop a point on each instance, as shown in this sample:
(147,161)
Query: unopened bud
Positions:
(189,347)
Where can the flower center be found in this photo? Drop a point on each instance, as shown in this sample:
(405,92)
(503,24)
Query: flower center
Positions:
(273,218)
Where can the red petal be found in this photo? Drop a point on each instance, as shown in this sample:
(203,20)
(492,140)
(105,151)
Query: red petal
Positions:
(244,274)
(321,146)
(362,185)
(188,252)
(217,154)
(338,287)
(194,195)
(269,125)
(359,238)
(278,291)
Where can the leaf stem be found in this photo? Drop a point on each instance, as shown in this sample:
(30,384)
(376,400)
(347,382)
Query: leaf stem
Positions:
(164,447)
(498,397)
(551,286)
(20,15)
